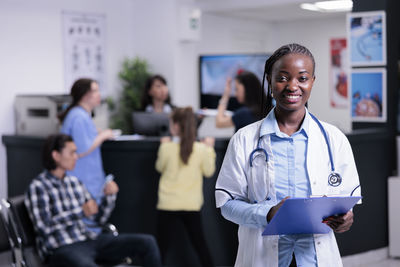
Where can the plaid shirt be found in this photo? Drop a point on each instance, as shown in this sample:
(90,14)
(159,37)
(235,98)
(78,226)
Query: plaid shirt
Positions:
(55,207)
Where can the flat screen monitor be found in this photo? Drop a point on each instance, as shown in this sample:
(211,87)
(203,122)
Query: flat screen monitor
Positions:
(150,123)
(215,69)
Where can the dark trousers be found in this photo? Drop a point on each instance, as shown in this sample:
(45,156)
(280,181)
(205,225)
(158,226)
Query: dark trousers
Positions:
(169,221)
(108,249)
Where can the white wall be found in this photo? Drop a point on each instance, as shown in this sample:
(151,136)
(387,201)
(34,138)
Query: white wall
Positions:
(228,35)
(154,33)
(315,35)
(32,57)
(156,37)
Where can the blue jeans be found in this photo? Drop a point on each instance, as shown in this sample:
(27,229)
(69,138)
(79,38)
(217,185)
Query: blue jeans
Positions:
(302,246)
(108,249)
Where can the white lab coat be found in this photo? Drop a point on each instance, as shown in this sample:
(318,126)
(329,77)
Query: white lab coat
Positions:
(255,183)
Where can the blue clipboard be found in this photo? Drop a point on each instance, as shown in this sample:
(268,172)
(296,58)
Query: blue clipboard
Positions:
(305,215)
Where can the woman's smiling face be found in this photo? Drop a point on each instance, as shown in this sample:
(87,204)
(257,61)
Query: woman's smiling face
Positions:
(291,81)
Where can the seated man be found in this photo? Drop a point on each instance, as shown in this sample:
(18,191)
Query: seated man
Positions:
(57,204)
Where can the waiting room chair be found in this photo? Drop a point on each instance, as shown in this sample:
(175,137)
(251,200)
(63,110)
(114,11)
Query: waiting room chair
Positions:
(24,227)
(7,256)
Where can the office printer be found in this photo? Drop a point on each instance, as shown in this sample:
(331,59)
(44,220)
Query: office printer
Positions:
(37,114)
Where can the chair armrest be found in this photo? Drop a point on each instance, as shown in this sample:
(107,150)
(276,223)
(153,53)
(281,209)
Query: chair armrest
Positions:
(110,228)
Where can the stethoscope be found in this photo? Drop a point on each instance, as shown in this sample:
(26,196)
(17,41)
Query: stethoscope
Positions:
(334,178)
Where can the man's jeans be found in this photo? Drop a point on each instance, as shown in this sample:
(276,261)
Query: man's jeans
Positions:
(108,249)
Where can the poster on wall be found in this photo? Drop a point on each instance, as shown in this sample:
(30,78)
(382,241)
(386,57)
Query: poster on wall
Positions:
(367,38)
(368,101)
(338,85)
(84,48)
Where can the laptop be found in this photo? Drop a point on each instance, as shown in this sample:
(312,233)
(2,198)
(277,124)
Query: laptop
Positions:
(150,123)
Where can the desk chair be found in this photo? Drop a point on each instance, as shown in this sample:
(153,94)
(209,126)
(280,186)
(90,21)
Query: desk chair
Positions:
(25,232)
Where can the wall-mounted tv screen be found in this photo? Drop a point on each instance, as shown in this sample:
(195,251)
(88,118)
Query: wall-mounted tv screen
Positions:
(215,69)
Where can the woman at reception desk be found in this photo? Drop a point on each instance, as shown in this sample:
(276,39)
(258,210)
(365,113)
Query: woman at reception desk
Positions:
(77,122)
(155,96)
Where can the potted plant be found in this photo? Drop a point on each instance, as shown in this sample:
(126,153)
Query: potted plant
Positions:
(133,75)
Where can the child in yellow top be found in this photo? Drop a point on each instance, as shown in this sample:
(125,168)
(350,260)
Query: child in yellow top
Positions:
(182,163)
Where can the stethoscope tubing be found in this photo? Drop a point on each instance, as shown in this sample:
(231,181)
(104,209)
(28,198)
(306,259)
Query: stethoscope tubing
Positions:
(328,144)
(334,179)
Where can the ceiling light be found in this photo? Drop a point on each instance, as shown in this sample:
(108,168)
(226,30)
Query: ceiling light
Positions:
(329,6)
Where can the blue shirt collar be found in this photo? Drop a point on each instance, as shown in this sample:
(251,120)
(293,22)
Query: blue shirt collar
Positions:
(270,125)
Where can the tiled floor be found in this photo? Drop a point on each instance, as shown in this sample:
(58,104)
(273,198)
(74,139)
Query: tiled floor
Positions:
(385,263)
(373,258)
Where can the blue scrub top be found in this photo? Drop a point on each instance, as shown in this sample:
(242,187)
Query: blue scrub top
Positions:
(89,169)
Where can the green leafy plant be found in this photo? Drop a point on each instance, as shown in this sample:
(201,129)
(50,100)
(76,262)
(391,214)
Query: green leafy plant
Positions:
(133,75)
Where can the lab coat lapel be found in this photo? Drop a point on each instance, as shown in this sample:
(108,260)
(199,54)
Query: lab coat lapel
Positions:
(318,165)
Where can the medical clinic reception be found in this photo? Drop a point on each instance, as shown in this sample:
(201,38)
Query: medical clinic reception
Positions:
(195,133)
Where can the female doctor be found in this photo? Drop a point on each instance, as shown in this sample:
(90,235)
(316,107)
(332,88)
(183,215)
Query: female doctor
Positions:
(287,154)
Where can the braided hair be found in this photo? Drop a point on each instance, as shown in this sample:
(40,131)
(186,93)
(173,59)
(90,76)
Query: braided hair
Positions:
(278,54)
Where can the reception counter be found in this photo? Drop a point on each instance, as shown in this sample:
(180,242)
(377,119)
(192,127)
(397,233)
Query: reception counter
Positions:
(132,163)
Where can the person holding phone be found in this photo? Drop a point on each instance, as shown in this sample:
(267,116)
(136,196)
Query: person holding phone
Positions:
(78,123)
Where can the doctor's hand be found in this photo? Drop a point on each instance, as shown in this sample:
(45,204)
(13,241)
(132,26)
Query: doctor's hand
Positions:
(275,209)
(340,223)
(90,208)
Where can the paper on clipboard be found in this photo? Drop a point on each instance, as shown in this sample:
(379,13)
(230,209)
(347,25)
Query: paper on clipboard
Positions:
(305,215)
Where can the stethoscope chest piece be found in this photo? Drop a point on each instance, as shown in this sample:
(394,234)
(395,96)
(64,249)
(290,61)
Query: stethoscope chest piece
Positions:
(334,179)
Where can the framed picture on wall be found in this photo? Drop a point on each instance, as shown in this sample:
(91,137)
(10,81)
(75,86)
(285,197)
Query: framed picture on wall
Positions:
(338,76)
(368,95)
(367,38)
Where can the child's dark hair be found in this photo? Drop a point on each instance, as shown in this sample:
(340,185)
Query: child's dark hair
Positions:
(55,142)
(80,88)
(146,98)
(186,121)
(278,54)
(252,99)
